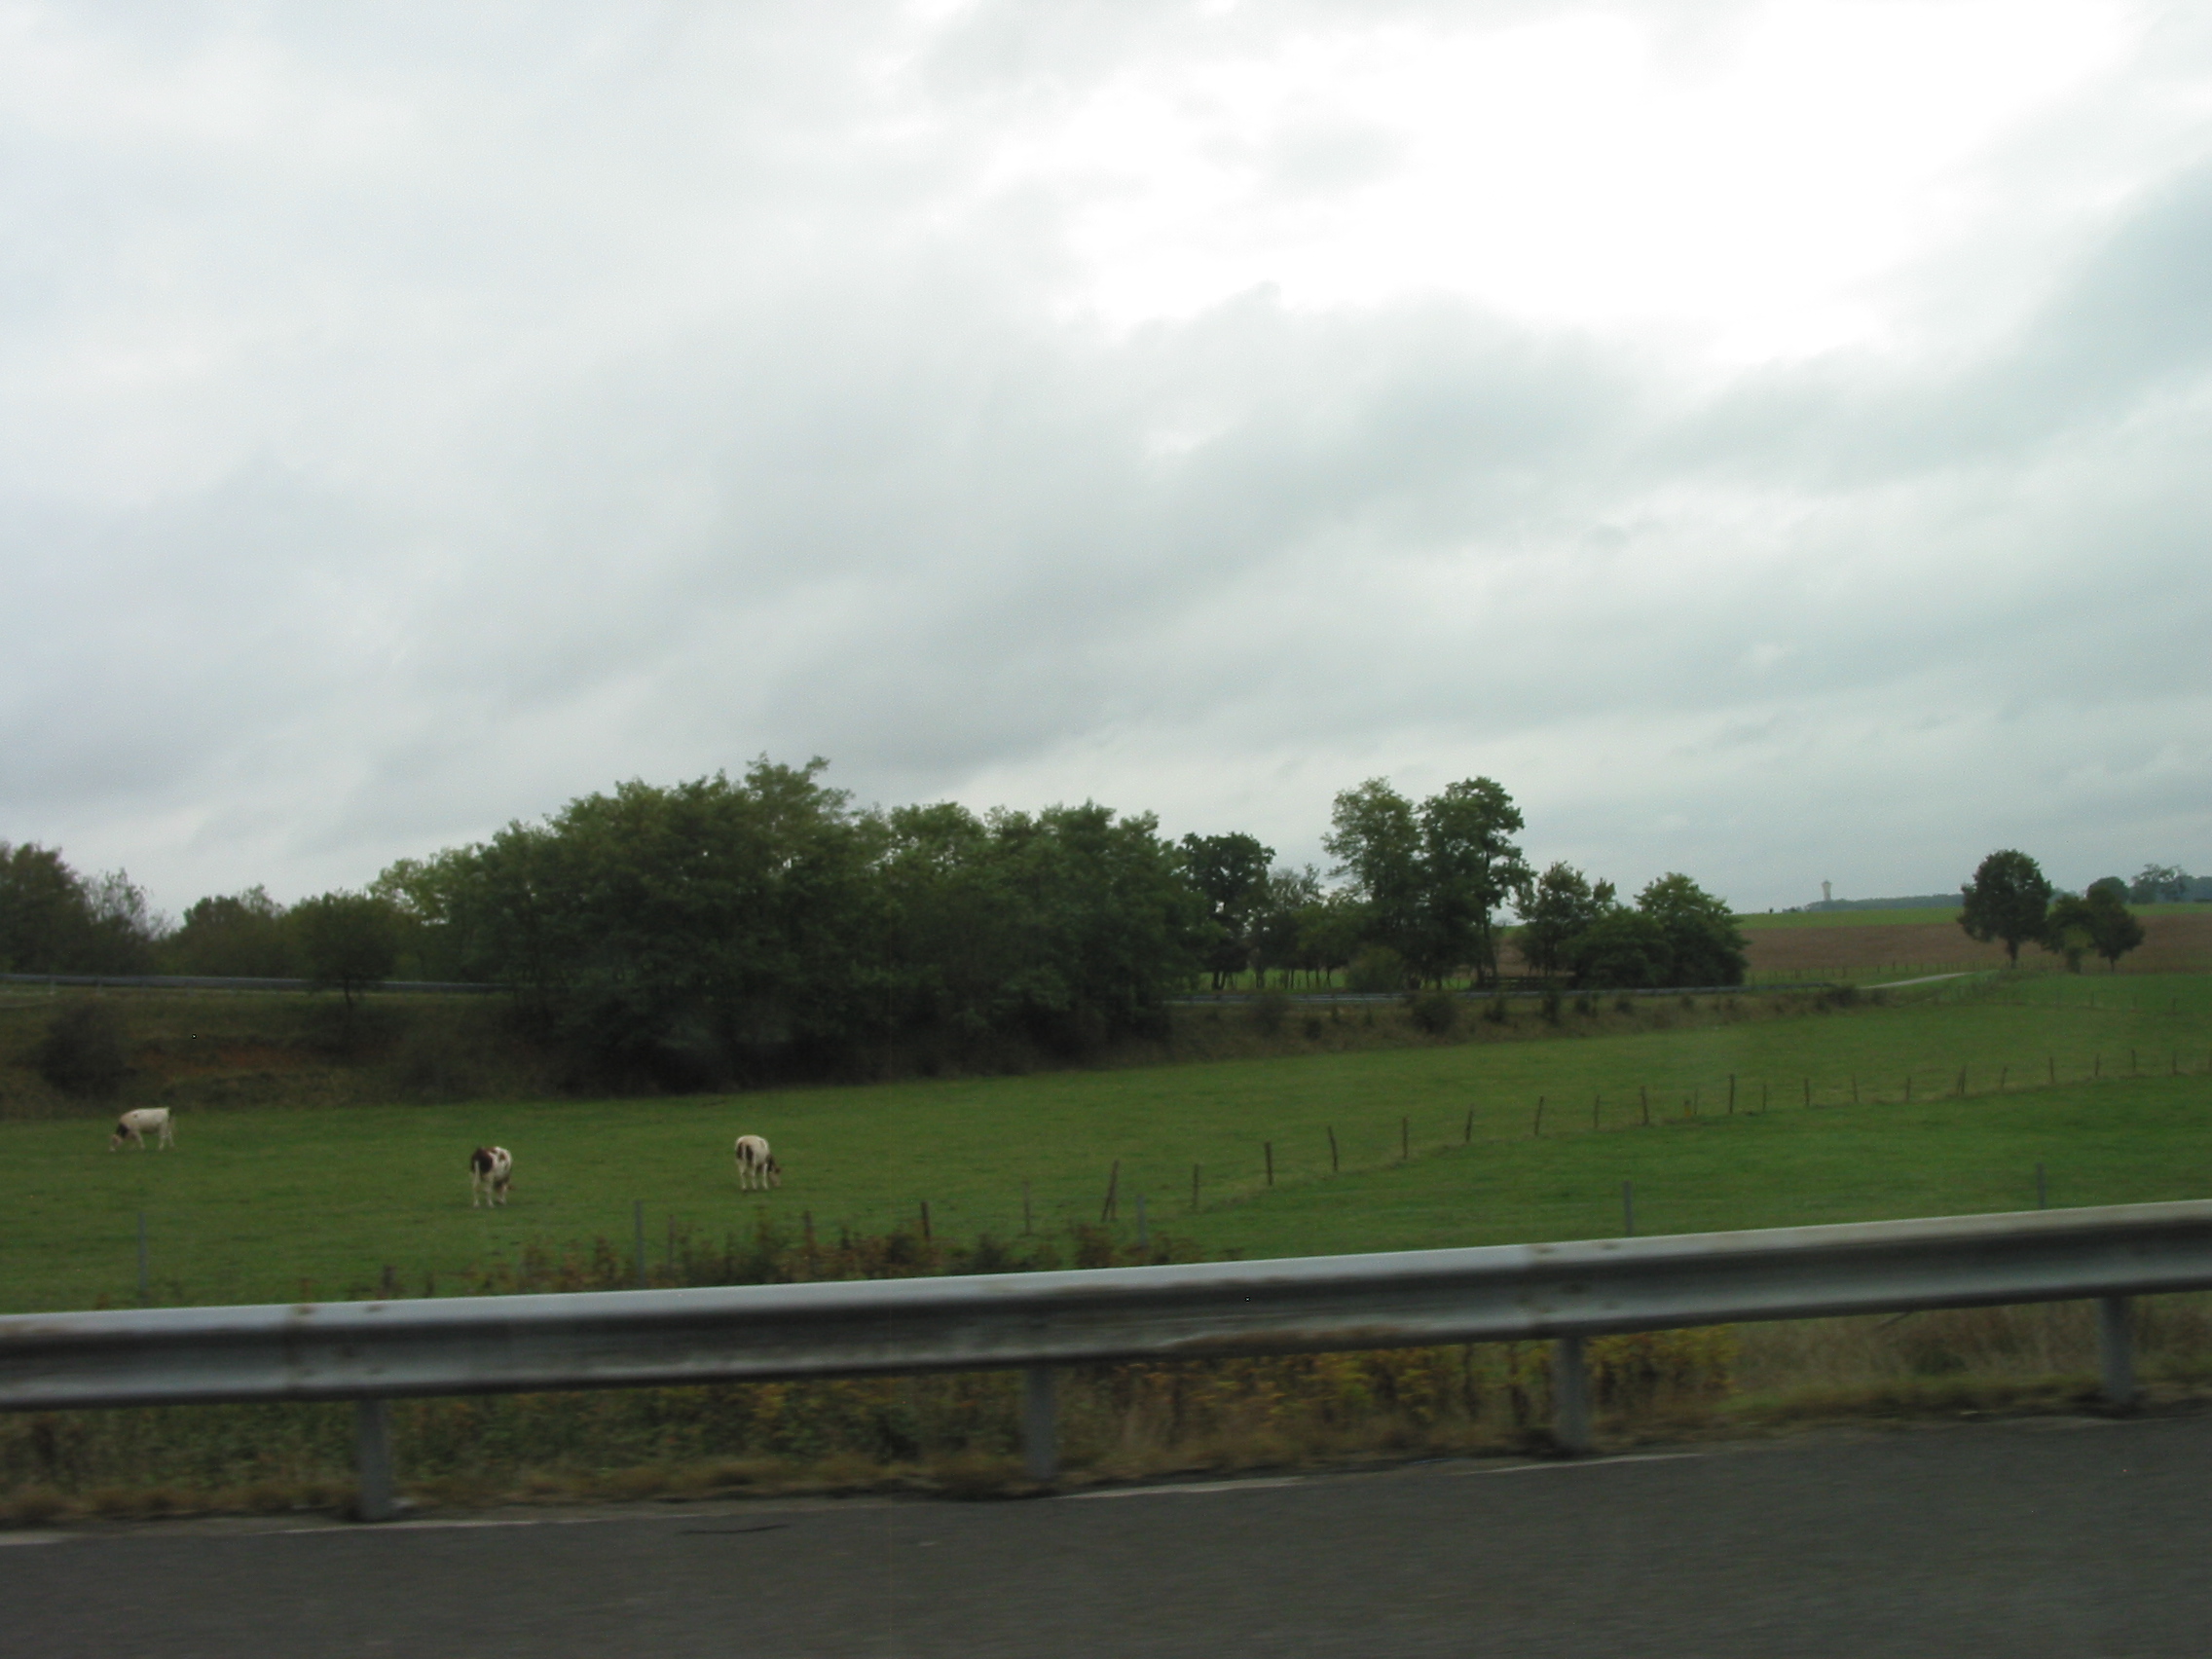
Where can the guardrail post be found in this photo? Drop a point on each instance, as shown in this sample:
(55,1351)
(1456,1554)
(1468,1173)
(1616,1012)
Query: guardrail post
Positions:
(372,1461)
(1571,1396)
(2116,1351)
(1040,1425)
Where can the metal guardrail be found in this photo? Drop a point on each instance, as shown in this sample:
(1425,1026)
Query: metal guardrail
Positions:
(372,1351)
(215,982)
(1519,989)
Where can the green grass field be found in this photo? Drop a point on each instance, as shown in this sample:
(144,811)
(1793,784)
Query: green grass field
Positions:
(269,1204)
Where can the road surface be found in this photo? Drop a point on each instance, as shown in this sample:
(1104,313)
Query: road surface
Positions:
(2079,1538)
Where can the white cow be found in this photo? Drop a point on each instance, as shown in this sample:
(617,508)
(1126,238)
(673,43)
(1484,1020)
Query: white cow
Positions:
(490,1170)
(133,1126)
(756,1165)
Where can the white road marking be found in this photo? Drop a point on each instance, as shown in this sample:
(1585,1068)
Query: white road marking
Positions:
(1179,1489)
(1588,1462)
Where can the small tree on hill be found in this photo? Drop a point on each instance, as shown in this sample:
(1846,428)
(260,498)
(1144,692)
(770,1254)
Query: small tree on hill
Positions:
(350,942)
(2113,930)
(2068,930)
(2009,898)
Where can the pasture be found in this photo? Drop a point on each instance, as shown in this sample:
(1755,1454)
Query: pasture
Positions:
(260,1204)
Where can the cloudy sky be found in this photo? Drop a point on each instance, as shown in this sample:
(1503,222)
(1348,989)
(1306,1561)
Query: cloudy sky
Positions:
(1771,439)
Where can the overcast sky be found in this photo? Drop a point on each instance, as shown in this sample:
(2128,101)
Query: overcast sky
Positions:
(1771,439)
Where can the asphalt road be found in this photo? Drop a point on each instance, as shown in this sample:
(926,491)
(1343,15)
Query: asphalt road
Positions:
(2077,1538)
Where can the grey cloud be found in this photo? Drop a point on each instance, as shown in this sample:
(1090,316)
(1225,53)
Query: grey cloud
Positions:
(694,439)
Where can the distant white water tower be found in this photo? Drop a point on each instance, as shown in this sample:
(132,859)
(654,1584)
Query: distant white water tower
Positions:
(1827,898)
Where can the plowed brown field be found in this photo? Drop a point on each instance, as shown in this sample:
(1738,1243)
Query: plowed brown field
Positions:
(2172,943)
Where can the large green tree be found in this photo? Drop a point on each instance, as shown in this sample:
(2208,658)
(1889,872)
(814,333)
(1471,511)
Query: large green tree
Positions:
(1232,872)
(1278,942)
(1471,868)
(1432,878)
(1560,904)
(1375,835)
(350,942)
(1704,944)
(236,935)
(55,921)
(2009,898)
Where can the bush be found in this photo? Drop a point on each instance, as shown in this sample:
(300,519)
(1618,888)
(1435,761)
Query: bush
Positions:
(1551,1007)
(1268,1011)
(1435,1011)
(1586,1005)
(1376,970)
(82,1051)
(1497,1012)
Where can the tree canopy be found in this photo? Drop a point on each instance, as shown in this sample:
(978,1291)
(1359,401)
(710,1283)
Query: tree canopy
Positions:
(1432,878)
(2097,920)
(55,921)
(2007,900)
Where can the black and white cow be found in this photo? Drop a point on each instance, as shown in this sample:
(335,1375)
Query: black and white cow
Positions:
(490,1170)
(756,1165)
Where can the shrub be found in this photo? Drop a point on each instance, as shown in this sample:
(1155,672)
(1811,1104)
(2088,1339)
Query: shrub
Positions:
(1497,1012)
(83,1052)
(1435,1011)
(1586,1005)
(1551,1007)
(1268,1011)
(1376,970)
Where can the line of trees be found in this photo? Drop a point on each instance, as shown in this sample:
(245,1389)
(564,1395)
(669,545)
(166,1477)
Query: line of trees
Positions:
(54,920)
(2012,901)
(727,925)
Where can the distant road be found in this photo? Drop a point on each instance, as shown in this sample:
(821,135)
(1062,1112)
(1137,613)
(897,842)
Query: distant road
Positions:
(2075,1538)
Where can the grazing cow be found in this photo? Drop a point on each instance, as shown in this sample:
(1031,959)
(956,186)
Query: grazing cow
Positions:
(756,1165)
(132,1126)
(490,1170)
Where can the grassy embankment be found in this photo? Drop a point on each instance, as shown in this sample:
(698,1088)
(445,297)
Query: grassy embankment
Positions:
(255,1201)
